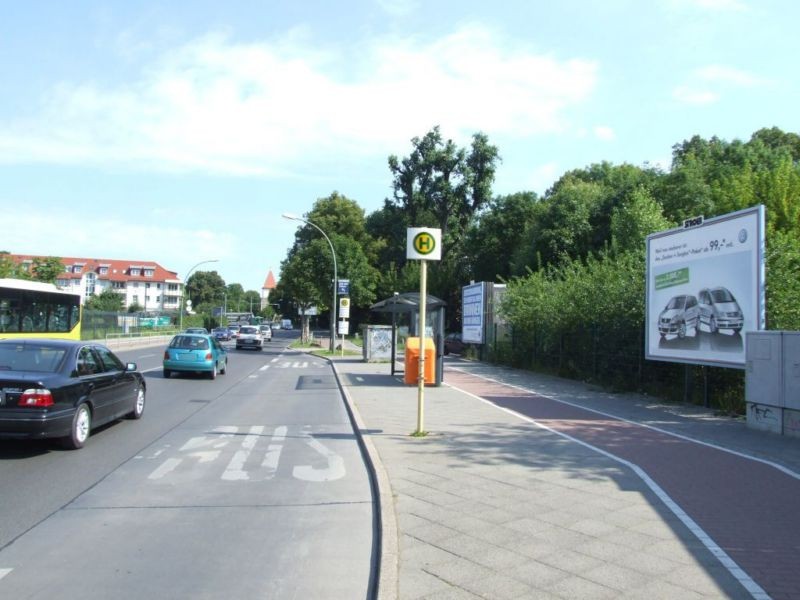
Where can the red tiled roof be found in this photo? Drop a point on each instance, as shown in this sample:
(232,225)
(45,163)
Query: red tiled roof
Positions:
(118,270)
(269,283)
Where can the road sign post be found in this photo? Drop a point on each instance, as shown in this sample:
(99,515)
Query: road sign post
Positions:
(423,244)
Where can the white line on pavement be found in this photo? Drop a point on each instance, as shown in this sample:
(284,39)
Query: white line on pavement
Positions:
(4,572)
(147,355)
(264,368)
(781,468)
(734,569)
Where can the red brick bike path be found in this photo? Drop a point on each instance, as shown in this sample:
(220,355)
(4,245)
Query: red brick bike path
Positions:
(750,509)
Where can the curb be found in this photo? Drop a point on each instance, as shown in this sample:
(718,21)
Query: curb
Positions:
(387,561)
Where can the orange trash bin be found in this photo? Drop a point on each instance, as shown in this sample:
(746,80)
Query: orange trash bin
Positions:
(411,373)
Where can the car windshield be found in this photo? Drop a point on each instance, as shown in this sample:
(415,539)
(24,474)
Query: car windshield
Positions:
(676,303)
(27,357)
(189,342)
(248,330)
(722,295)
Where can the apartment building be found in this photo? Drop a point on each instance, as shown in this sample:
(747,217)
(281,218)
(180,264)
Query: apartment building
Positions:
(141,282)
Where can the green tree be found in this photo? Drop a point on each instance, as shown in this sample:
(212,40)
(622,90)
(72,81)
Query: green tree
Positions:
(632,222)
(107,300)
(7,266)
(47,268)
(205,287)
(442,185)
(499,231)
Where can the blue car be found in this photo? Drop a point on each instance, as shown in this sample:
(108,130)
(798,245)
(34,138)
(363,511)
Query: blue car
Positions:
(197,353)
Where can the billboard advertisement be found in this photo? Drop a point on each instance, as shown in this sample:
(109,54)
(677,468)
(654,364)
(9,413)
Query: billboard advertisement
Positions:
(473,313)
(705,288)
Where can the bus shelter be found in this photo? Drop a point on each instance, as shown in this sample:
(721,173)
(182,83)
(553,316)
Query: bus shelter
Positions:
(408,304)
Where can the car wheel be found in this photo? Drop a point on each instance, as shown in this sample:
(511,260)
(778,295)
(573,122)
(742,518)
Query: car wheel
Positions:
(446,350)
(138,408)
(167,373)
(682,330)
(213,373)
(80,428)
(712,325)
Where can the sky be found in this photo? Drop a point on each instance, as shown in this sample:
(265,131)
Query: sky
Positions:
(180,131)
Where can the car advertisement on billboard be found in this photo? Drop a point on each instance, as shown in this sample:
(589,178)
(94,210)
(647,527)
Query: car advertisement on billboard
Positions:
(705,288)
(473,312)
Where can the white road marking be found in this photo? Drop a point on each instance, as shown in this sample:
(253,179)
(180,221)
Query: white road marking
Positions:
(264,368)
(733,568)
(147,355)
(335,469)
(4,572)
(150,369)
(274,360)
(273,454)
(192,449)
(252,376)
(235,470)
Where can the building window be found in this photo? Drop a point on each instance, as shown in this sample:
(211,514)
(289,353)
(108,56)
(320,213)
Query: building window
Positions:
(136,271)
(90,281)
(118,285)
(77,268)
(148,272)
(172,287)
(103,270)
(135,299)
(136,284)
(158,299)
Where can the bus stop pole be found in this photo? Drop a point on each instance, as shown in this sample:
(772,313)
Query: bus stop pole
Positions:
(423,301)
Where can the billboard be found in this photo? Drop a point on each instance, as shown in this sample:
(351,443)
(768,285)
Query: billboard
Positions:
(473,313)
(705,288)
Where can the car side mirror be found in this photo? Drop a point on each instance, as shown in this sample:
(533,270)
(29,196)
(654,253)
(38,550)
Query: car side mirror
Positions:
(130,367)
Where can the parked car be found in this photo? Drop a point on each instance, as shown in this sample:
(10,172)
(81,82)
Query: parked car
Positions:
(249,337)
(195,353)
(234,329)
(63,389)
(453,343)
(719,310)
(201,330)
(266,332)
(221,334)
(681,314)
(286,324)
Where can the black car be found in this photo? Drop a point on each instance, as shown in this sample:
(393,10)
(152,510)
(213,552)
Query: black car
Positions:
(63,388)
(453,343)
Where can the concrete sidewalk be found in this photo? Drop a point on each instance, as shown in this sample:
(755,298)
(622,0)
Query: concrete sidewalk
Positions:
(491,505)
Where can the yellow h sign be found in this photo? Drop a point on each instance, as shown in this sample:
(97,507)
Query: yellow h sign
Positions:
(424,243)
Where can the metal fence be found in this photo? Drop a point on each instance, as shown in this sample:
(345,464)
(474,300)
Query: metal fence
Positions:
(613,357)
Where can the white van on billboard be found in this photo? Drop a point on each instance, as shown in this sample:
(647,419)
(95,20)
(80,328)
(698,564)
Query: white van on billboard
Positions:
(705,287)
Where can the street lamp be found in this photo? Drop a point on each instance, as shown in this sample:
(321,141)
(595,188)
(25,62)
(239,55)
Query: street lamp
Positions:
(183,301)
(335,275)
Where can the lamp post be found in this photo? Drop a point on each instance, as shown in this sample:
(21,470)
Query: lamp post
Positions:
(335,275)
(183,301)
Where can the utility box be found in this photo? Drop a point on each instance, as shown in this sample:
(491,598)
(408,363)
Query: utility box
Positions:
(411,373)
(772,381)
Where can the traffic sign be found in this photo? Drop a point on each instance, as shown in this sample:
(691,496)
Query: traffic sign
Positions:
(343,287)
(423,243)
(344,308)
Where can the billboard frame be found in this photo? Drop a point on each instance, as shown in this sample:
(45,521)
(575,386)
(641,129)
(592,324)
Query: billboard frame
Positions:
(682,249)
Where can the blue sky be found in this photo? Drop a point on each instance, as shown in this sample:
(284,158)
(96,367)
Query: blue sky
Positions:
(180,131)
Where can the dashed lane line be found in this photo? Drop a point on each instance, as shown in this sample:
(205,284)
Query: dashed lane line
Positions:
(4,572)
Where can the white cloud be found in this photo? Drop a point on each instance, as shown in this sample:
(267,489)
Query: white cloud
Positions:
(604,132)
(543,176)
(266,108)
(723,74)
(59,233)
(689,95)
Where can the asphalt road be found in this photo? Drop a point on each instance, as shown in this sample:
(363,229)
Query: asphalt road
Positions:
(249,485)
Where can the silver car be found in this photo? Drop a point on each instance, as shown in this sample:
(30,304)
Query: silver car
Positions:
(719,310)
(681,314)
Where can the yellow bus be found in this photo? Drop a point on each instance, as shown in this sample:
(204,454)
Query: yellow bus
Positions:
(39,310)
